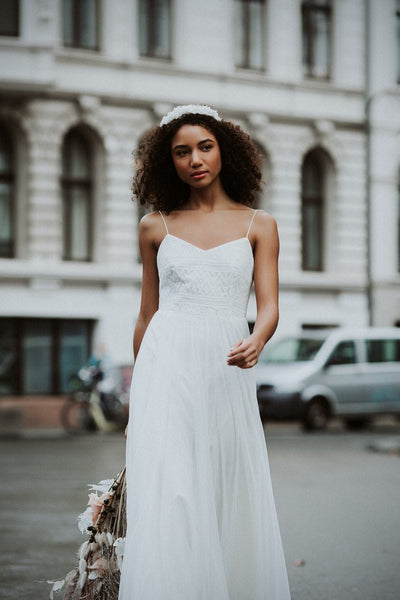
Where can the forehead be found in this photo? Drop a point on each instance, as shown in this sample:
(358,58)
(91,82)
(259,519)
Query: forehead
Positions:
(191,134)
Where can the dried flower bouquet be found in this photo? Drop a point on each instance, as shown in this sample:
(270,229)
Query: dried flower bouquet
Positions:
(97,574)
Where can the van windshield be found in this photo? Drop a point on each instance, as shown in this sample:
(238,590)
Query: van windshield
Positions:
(291,350)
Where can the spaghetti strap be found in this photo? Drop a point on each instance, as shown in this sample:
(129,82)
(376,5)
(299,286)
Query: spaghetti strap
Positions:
(163,220)
(251,222)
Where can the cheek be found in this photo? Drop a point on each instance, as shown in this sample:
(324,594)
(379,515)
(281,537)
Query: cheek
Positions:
(216,161)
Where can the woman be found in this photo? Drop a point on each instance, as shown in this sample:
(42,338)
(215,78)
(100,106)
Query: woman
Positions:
(201,519)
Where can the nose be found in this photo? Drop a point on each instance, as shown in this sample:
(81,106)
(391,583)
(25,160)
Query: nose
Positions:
(196,160)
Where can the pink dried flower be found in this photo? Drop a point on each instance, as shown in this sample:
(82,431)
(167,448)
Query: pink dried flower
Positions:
(96,502)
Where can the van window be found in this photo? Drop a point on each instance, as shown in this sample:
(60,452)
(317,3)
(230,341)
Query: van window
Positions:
(343,354)
(291,350)
(383,350)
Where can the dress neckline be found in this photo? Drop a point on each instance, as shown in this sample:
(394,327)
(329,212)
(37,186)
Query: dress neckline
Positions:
(207,249)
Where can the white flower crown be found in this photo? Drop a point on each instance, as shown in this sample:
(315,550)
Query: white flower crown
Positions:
(178,111)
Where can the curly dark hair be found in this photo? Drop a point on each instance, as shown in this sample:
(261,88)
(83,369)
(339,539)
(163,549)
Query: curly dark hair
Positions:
(156,182)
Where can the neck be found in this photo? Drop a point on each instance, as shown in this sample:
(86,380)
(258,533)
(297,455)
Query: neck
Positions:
(208,199)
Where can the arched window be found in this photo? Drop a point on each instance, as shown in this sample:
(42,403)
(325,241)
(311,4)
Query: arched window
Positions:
(7,194)
(77,184)
(313,191)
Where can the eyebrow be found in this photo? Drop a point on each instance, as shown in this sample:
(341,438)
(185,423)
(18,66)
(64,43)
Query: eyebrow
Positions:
(185,145)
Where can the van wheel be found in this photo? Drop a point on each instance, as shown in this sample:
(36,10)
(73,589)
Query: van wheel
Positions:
(316,415)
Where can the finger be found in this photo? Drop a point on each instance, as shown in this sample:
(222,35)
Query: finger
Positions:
(244,354)
(247,365)
(236,344)
(239,350)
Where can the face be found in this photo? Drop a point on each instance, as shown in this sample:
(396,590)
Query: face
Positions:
(194,148)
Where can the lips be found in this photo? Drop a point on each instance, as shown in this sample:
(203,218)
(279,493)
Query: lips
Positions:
(198,173)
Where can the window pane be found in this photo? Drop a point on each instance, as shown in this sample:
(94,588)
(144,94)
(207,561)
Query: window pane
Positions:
(8,357)
(343,354)
(316,23)
(76,157)
(383,350)
(5,153)
(9,18)
(88,24)
(161,28)
(77,187)
(312,238)
(80,23)
(291,350)
(6,235)
(68,22)
(307,39)
(398,230)
(78,224)
(256,35)
(37,357)
(154,27)
(312,212)
(398,41)
(321,44)
(249,26)
(312,177)
(74,350)
(143,27)
(239,46)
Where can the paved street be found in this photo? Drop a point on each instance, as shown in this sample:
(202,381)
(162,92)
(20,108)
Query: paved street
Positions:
(337,501)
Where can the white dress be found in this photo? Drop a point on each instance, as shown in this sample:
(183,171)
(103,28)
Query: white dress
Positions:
(201,518)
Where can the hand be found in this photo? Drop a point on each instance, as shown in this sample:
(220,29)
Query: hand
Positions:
(245,352)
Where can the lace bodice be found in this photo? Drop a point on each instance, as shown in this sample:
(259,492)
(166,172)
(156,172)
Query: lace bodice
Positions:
(205,282)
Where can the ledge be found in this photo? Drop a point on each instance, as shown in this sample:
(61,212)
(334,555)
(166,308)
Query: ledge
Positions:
(103,273)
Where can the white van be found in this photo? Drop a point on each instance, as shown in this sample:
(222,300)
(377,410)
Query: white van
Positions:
(349,373)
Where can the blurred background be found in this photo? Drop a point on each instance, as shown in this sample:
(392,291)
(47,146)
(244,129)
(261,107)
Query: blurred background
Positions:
(316,84)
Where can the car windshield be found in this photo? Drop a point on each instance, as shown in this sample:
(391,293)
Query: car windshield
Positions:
(291,350)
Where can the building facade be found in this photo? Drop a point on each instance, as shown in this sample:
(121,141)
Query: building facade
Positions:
(316,85)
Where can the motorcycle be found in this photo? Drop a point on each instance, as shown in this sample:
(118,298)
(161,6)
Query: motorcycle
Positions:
(93,403)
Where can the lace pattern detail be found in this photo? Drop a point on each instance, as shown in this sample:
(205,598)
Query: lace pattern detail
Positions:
(202,283)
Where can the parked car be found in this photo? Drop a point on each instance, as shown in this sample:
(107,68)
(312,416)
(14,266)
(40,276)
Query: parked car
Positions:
(353,374)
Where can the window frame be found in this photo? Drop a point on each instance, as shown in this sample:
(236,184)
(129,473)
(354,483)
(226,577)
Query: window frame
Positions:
(56,325)
(69,183)
(76,30)
(245,62)
(17,16)
(151,36)
(308,9)
(310,200)
(10,178)
(356,360)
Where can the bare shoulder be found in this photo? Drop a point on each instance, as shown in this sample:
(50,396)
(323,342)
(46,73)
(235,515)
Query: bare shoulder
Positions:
(264,223)
(151,227)
(150,220)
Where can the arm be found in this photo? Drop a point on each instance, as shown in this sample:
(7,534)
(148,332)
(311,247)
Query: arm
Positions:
(245,353)
(149,296)
(148,245)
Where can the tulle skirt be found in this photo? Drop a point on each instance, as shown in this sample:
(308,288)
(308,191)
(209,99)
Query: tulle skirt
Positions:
(201,518)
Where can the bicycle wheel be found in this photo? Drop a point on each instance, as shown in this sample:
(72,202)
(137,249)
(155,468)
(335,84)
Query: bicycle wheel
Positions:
(75,416)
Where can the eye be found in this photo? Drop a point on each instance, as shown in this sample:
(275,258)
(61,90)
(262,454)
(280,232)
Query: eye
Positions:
(207,146)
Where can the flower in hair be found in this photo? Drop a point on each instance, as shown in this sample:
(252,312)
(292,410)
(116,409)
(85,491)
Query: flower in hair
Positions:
(178,111)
